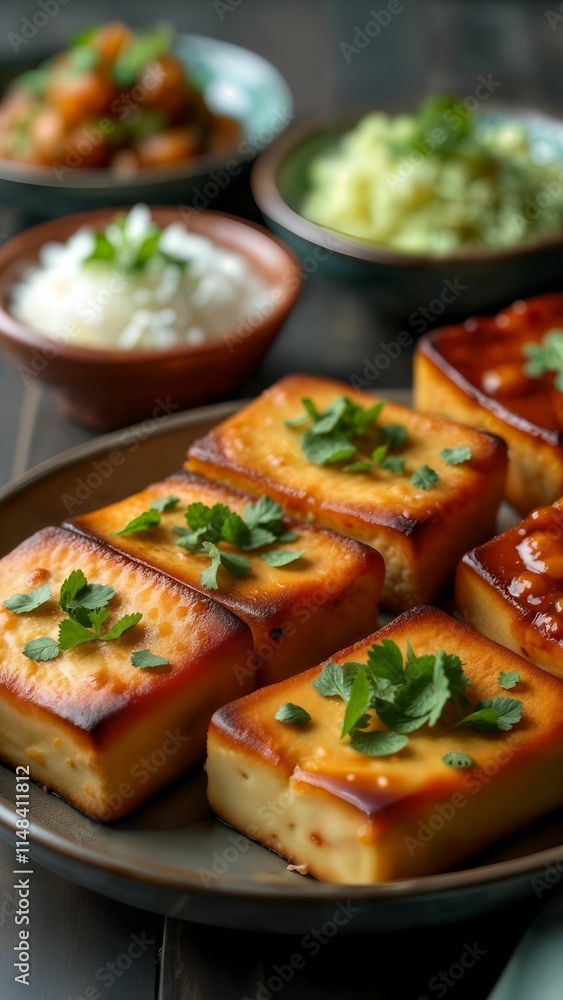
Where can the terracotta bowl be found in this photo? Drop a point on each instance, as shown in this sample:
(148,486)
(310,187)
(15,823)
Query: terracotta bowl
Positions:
(107,389)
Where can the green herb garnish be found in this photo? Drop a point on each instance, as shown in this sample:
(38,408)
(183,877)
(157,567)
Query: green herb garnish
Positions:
(144,522)
(144,658)
(164,504)
(33,599)
(546,357)
(459,761)
(424,478)
(84,605)
(407,693)
(260,525)
(509,679)
(456,456)
(293,715)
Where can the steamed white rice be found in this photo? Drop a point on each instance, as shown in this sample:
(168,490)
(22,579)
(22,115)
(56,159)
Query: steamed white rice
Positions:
(165,305)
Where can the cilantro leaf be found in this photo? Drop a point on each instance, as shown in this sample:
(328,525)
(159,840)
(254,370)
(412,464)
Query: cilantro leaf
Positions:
(144,658)
(359,701)
(358,467)
(385,661)
(293,715)
(235,565)
(122,626)
(234,530)
(394,464)
(144,522)
(33,599)
(456,456)
(259,537)
(96,618)
(424,478)
(498,714)
(163,504)
(74,583)
(208,578)
(332,416)
(41,649)
(459,761)
(72,633)
(92,596)
(288,536)
(265,513)
(393,435)
(335,680)
(509,679)
(547,356)
(326,450)
(377,743)
(282,557)
(199,515)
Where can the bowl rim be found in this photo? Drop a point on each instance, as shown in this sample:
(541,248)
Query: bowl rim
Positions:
(96,178)
(13,329)
(266,192)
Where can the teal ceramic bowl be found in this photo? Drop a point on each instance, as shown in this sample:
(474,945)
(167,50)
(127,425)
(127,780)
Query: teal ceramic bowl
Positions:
(446,287)
(234,81)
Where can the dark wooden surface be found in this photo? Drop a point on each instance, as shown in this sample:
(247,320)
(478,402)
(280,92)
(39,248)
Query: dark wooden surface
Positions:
(431,44)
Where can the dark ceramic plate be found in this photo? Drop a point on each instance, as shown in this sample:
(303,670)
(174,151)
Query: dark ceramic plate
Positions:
(172,856)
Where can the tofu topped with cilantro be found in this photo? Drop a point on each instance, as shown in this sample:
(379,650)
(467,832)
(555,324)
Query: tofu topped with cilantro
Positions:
(301,589)
(399,757)
(415,487)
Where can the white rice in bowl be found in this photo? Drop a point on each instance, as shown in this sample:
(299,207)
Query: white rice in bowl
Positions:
(137,286)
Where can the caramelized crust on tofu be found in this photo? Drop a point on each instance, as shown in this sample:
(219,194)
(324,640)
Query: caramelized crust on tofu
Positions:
(420,533)
(510,588)
(474,372)
(351,818)
(297,613)
(103,734)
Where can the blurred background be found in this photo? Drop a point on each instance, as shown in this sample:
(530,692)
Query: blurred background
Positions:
(428,46)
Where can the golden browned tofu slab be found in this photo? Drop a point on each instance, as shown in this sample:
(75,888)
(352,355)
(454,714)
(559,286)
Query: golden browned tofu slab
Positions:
(352,818)
(102,733)
(298,613)
(421,533)
(510,588)
(474,373)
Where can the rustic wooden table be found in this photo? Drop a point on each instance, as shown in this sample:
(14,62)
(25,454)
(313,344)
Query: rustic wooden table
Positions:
(88,946)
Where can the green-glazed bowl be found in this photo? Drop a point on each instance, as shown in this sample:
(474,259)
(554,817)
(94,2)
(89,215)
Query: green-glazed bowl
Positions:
(235,82)
(443,287)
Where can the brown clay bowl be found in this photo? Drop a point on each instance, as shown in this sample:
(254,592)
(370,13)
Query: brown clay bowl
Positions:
(105,389)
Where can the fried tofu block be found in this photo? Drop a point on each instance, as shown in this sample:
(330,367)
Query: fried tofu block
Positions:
(354,819)
(298,613)
(421,533)
(102,733)
(510,588)
(473,372)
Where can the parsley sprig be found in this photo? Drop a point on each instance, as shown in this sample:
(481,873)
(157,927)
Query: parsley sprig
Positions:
(546,357)
(260,525)
(407,694)
(344,430)
(85,607)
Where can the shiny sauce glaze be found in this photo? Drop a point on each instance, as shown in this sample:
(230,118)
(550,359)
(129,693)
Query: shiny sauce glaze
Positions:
(526,563)
(488,353)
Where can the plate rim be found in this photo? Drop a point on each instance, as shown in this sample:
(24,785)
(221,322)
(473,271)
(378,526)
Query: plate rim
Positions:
(188,881)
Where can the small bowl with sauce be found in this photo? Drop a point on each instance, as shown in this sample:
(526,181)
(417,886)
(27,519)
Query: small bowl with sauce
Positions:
(121,312)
